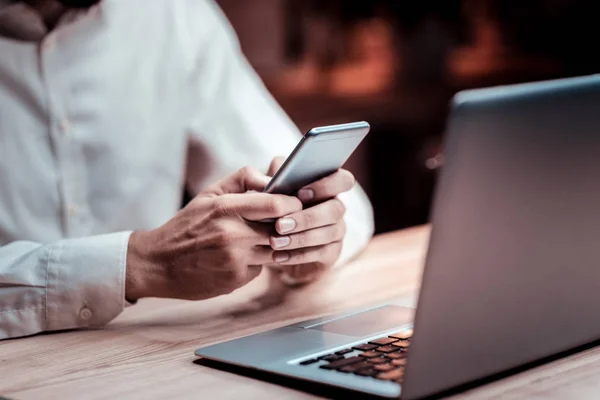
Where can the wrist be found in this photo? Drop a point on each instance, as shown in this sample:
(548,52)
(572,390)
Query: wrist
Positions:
(137,269)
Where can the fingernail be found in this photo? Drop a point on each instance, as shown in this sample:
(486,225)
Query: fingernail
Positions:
(306,194)
(279,242)
(280,257)
(286,225)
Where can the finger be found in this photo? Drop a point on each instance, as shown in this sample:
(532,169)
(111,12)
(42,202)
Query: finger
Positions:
(311,238)
(327,213)
(245,179)
(261,255)
(275,165)
(339,182)
(326,255)
(260,233)
(257,206)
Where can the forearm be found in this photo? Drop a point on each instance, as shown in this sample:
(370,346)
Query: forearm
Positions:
(68,284)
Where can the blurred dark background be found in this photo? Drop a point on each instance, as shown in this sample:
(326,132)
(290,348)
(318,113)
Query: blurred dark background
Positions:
(397,64)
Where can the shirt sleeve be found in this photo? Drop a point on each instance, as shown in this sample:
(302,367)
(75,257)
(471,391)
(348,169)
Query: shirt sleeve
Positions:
(236,122)
(68,284)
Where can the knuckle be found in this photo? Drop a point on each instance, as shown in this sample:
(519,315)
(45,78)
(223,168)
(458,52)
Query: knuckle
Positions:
(276,205)
(283,205)
(273,204)
(300,239)
(245,175)
(295,204)
(221,207)
(224,238)
(224,235)
(232,257)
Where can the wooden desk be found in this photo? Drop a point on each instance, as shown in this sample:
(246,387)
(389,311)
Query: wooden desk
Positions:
(147,352)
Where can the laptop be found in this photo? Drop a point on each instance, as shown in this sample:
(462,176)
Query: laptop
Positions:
(512,274)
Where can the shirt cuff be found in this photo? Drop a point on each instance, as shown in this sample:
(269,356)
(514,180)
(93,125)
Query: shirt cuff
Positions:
(359,225)
(86,281)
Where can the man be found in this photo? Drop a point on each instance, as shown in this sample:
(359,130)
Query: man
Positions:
(108,109)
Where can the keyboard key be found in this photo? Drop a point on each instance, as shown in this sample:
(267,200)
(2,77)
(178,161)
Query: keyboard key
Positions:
(391,375)
(370,354)
(386,349)
(365,347)
(377,360)
(308,362)
(403,335)
(355,367)
(367,372)
(401,343)
(331,357)
(397,354)
(383,367)
(383,341)
(400,362)
(343,362)
(342,352)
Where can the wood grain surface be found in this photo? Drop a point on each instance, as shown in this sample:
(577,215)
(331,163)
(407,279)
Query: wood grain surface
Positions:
(147,352)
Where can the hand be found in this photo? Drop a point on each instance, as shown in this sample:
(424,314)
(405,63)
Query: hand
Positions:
(310,241)
(211,247)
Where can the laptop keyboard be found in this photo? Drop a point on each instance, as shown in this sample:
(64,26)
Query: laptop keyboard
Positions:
(383,358)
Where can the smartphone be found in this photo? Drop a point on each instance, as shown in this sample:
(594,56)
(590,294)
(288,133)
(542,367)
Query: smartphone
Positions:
(320,152)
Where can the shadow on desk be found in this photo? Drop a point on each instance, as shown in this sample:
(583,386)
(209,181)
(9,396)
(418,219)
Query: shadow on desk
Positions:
(315,389)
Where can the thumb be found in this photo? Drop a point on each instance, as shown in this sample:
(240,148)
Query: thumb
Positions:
(245,179)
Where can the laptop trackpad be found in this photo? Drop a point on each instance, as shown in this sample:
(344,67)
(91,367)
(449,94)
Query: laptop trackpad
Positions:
(368,322)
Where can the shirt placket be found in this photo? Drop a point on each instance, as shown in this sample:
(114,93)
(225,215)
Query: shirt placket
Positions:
(64,138)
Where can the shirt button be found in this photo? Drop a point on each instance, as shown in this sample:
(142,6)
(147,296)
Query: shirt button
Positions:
(65,126)
(73,209)
(85,313)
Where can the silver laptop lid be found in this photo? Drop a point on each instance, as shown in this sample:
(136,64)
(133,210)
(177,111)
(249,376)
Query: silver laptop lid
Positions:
(513,269)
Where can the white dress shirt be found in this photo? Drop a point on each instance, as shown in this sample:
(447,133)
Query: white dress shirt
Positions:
(102,123)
